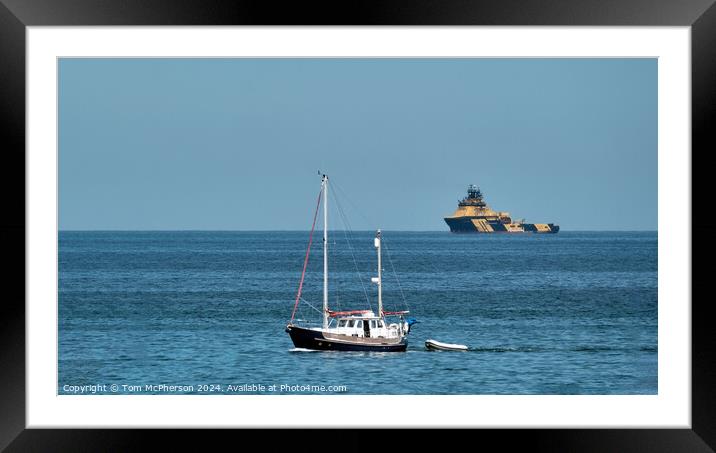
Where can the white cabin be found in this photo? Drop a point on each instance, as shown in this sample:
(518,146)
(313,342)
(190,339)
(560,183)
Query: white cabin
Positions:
(366,326)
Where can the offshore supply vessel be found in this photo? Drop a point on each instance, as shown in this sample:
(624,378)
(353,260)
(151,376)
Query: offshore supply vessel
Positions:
(473,215)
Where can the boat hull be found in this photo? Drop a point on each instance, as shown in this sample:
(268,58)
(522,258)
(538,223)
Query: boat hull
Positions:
(317,340)
(439,346)
(477,225)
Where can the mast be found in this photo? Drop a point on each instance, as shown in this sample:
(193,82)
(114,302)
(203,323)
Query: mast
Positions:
(380,278)
(325,251)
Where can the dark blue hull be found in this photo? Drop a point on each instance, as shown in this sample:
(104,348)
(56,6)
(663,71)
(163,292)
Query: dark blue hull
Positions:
(312,339)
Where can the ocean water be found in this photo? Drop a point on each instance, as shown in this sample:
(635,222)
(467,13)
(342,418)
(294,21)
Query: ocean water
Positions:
(205,312)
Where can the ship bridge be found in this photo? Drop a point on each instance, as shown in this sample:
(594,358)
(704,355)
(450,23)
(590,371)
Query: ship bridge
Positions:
(473,198)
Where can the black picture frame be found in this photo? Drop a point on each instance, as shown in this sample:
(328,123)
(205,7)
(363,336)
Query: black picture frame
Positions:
(16,15)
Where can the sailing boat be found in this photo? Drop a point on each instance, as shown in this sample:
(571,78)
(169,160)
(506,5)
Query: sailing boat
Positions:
(353,330)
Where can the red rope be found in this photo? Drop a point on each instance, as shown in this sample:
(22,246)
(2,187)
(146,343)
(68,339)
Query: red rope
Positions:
(305,261)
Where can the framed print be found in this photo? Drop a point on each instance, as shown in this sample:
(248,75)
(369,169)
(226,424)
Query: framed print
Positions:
(186,184)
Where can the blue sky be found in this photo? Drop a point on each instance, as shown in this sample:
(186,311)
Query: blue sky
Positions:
(235,144)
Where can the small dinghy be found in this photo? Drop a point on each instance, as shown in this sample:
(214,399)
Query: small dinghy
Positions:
(440,346)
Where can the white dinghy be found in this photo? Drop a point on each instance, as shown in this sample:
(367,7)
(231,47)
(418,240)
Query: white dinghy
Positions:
(440,346)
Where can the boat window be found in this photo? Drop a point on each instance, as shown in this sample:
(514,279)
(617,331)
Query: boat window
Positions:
(381,323)
(372,324)
(350,323)
(359,324)
(342,323)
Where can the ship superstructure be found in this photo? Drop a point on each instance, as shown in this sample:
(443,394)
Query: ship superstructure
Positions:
(473,215)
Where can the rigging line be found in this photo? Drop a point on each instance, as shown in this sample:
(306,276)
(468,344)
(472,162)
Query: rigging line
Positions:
(343,194)
(310,305)
(350,230)
(336,300)
(360,213)
(344,218)
(390,260)
(346,234)
(305,260)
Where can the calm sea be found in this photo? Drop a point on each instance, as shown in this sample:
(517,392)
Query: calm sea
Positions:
(205,312)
